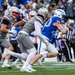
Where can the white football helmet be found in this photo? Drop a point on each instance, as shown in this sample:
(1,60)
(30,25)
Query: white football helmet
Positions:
(13,9)
(32,13)
(59,12)
(44,12)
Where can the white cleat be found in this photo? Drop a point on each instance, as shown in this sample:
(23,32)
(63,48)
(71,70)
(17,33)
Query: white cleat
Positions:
(31,69)
(6,66)
(25,70)
(5,53)
(16,65)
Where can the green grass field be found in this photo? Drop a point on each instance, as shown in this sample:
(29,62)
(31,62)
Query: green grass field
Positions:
(48,68)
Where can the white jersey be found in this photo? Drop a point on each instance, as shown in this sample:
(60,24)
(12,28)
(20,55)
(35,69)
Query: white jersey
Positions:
(29,27)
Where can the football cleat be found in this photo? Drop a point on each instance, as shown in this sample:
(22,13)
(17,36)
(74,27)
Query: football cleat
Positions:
(25,70)
(16,65)
(32,70)
(6,66)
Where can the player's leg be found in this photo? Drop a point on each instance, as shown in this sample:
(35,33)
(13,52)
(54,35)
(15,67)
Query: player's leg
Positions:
(28,44)
(52,51)
(41,49)
(15,63)
(40,52)
(7,45)
(22,55)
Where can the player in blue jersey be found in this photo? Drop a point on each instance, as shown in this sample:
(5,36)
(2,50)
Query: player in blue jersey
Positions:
(51,26)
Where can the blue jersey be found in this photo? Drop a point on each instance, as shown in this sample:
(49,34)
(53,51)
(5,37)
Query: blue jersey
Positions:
(17,29)
(49,27)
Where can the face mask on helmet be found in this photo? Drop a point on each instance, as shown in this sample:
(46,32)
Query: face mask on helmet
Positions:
(32,14)
(43,12)
(13,10)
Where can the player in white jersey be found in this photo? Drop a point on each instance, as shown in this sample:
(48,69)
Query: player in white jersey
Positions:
(6,23)
(20,56)
(47,31)
(21,23)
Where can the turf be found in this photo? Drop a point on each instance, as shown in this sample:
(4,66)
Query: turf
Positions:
(50,68)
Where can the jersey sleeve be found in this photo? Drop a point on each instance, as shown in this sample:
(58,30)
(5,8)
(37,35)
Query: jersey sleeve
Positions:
(37,27)
(25,20)
(56,19)
(5,22)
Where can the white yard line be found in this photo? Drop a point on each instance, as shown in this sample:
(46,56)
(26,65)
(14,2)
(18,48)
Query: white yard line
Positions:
(8,71)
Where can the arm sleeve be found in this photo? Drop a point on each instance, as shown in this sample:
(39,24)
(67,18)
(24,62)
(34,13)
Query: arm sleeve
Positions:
(39,34)
(37,27)
(25,20)
(5,22)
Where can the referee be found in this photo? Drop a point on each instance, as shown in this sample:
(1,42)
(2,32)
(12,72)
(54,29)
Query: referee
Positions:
(66,40)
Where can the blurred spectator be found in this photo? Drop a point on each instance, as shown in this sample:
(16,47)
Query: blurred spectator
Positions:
(33,3)
(56,1)
(1,1)
(49,9)
(53,6)
(60,5)
(46,4)
(68,9)
(64,2)
(22,10)
(73,11)
(14,4)
(39,5)
(28,9)
(24,2)
(5,5)
(20,17)
(6,12)
(1,12)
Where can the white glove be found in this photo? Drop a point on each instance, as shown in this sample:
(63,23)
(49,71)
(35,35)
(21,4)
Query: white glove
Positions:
(11,32)
(13,27)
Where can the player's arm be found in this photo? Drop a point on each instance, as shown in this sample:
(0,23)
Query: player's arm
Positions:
(4,25)
(38,32)
(21,23)
(60,26)
(37,27)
